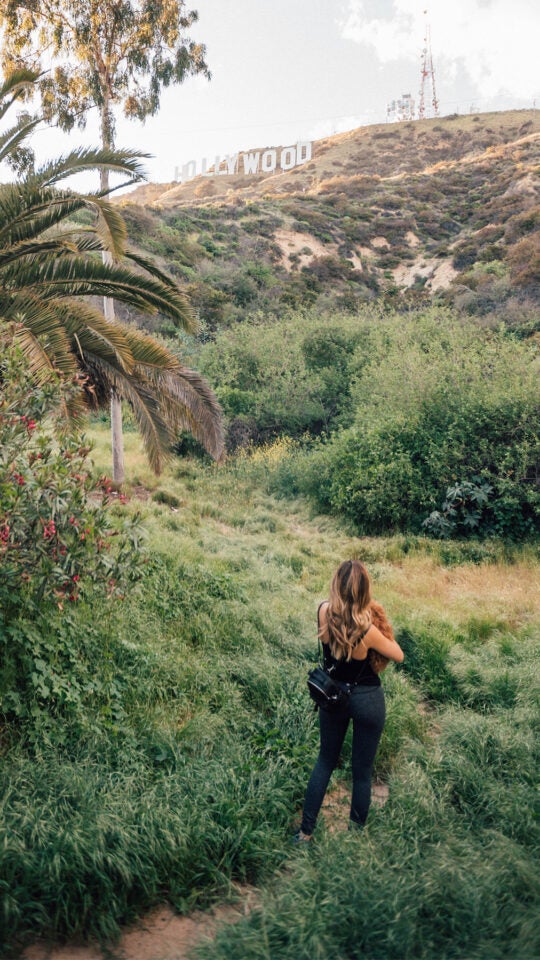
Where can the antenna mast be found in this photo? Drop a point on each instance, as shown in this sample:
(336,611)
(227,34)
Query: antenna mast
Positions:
(427,72)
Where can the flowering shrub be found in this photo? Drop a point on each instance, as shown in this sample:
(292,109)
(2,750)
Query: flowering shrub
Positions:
(56,535)
(58,540)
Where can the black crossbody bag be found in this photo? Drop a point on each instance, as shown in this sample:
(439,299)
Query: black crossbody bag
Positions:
(323,689)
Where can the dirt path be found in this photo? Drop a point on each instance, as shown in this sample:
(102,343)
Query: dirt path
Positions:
(163,935)
(337,803)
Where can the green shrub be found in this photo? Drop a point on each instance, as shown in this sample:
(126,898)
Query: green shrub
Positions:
(436,399)
(54,540)
(462,510)
(58,546)
(289,375)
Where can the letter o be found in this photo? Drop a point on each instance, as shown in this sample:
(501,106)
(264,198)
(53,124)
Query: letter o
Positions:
(268,161)
(288,158)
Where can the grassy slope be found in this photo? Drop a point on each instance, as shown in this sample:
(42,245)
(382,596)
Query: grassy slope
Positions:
(224,516)
(460,807)
(195,775)
(445,207)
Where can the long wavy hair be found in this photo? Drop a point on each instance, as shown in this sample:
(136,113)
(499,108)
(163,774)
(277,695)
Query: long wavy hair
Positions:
(348,615)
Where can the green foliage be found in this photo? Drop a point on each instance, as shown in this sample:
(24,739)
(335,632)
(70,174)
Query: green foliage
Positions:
(59,544)
(290,375)
(59,680)
(435,401)
(103,57)
(426,906)
(90,845)
(167,747)
(167,741)
(461,511)
(54,541)
(48,265)
(427,652)
(483,668)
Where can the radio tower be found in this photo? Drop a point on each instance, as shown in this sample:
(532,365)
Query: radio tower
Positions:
(427,73)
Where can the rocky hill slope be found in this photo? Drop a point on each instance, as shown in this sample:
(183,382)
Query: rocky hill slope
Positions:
(445,208)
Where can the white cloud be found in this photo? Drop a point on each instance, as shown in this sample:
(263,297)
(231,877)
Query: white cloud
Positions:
(327,128)
(495,41)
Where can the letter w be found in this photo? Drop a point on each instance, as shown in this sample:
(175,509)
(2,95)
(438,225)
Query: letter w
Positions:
(251,162)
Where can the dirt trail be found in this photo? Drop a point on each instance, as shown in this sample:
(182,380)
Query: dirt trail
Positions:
(337,804)
(163,935)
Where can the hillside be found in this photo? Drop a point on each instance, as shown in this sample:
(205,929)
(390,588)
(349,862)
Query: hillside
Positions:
(446,207)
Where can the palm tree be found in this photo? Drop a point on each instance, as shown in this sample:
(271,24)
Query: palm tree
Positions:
(49,261)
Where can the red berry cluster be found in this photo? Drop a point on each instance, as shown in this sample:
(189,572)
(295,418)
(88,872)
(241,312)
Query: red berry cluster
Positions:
(49,530)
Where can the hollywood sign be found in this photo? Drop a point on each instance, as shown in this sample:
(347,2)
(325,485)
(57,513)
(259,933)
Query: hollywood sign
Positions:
(260,161)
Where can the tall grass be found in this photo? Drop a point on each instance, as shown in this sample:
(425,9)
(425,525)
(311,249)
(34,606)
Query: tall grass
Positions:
(384,897)
(180,767)
(448,869)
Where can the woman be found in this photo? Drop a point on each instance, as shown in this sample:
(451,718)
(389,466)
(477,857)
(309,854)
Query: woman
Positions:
(347,633)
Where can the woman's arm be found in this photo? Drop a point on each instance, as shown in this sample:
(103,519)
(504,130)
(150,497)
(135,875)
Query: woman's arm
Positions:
(389,648)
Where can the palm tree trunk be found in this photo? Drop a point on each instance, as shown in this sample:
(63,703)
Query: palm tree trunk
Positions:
(117,437)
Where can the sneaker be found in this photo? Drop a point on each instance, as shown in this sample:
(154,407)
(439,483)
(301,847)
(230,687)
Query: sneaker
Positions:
(300,837)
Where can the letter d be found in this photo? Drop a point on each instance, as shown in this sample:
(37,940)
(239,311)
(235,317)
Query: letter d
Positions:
(303,152)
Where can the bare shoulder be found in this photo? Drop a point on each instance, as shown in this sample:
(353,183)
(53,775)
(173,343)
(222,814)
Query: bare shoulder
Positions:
(373,635)
(323,609)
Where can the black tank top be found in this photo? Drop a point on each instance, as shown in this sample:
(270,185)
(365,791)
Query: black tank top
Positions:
(349,671)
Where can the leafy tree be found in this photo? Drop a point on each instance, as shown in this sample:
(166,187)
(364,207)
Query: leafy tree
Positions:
(107,52)
(48,261)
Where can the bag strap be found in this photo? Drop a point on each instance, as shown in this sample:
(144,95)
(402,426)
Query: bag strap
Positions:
(319,645)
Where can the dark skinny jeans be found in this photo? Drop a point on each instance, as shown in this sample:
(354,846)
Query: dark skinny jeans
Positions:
(366,708)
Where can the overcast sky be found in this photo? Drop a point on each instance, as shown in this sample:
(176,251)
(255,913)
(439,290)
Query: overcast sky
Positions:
(289,70)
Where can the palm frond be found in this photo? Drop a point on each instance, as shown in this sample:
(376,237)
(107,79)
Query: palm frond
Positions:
(11,139)
(89,331)
(16,84)
(188,403)
(92,158)
(156,434)
(36,355)
(43,340)
(27,211)
(77,276)
(49,266)
(147,351)
(147,264)
(111,227)
(62,243)
(32,251)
